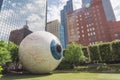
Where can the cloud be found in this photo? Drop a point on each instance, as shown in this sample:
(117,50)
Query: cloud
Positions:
(77,4)
(53,13)
(14,15)
(54,8)
(116,8)
(34,11)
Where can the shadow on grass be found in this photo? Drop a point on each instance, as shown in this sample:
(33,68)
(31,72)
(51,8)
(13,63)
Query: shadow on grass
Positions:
(30,76)
(104,72)
(22,76)
(69,71)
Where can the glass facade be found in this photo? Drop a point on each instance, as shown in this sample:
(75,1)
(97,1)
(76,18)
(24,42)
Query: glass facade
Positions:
(108,10)
(1,3)
(15,13)
(67,8)
(61,33)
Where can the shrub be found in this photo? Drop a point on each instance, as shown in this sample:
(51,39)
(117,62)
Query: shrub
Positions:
(65,66)
(116,51)
(4,56)
(73,54)
(105,52)
(1,69)
(95,53)
(84,49)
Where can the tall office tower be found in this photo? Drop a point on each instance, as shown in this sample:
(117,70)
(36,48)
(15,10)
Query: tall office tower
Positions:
(108,10)
(57,29)
(53,27)
(1,1)
(67,8)
(15,13)
(106,6)
(62,38)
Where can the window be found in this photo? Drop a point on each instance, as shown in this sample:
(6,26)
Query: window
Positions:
(88,34)
(94,33)
(77,24)
(83,35)
(116,35)
(88,30)
(80,19)
(89,39)
(87,25)
(77,20)
(91,34)
(81,26)
(82,31)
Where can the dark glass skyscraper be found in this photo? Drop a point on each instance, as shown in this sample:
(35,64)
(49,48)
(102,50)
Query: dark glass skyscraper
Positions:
(1,1)
(15,13)
(107,8)
(67,8)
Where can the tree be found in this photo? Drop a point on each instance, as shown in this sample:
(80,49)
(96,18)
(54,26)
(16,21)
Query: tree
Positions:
(3,44)
(13,48)
(1,69)
(73,54)
(4,53)
(4,56)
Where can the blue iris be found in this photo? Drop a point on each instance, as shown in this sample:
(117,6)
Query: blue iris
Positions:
(56,50)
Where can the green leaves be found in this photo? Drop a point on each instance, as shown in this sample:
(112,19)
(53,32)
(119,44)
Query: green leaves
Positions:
(116,50)
(4,53)
(1,69)
(13,48)
(105,52)
(8,52)
(73,54)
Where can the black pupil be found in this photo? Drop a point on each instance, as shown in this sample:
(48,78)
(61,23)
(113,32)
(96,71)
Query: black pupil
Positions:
(59,49)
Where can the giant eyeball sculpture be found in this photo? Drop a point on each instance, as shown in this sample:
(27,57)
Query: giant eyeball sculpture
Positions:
(40,52)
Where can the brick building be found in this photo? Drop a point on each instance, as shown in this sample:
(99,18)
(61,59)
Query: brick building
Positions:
(88,25)
(114,30)
(18,35)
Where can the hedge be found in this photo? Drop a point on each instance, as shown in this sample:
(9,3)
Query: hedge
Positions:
(105,52)
(116,51)
(95,53)
(84,49)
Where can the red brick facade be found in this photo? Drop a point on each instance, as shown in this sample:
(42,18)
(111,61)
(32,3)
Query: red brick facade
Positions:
(114,30)
(88,25)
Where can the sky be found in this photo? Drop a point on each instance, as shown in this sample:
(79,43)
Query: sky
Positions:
(15,13)
(54,7)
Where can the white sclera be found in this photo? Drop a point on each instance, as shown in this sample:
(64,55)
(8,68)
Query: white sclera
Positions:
(35,53)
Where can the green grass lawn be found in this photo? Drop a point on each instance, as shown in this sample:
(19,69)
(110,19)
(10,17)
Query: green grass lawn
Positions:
(64,76)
